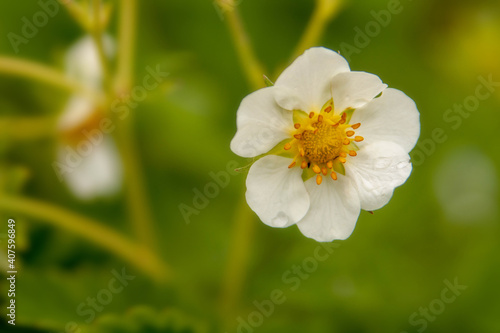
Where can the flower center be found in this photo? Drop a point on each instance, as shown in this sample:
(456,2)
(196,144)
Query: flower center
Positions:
(322,142)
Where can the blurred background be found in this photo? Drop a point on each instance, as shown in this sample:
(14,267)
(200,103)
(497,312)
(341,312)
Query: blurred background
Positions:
(145,229)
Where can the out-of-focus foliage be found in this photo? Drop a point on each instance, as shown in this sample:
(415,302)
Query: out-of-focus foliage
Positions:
(394,264)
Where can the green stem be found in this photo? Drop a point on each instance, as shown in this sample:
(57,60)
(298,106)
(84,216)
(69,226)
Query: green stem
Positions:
(27,128)
(140,211)
(126,46)
(45,74)
(94,231)
(249,62)
(78,13)
(237,263)
(97,36)
(324,12)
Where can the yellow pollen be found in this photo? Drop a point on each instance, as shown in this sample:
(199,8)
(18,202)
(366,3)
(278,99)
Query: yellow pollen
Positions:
(322,141)
(323,144)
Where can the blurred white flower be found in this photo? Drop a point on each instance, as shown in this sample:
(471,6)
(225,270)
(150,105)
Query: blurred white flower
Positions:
(305,125)
(88,160)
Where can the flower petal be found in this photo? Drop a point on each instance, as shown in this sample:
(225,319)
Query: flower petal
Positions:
(305,84)
(82,61)
(376,171)
(333,212)
(391,117)
(355,89)
(277,194)
(98,174)
(261,124)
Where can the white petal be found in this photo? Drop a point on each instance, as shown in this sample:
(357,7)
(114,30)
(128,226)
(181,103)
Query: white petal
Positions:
(355,89)
(261,124)
(83,63)
(333,212)
(391,117)
(305,85)
(94,174)
(277,194)
(77,110)
(376,171)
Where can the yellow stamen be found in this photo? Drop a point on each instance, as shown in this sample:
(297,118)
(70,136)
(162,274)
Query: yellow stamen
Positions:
(349,133)
(352,153)
(298,136)
(334,175)
(328,109)
(342,159)
(356,126)
(311,115)
(320,118)
(287,146)
(329,164)
(297,126)
(319,179)
(346,141)
(358,138)
(291,165)
(324,171)
(303,165)
(343,154)
(316,168)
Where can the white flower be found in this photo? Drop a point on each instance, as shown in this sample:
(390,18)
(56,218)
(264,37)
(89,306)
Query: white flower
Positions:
(88,160)
(335,141)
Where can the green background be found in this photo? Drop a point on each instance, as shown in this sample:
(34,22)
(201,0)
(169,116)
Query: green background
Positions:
(443,224)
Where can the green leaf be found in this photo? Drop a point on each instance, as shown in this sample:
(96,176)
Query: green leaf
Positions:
(338,167)
(307,174)
(268,82)
(349,113)
(144,319)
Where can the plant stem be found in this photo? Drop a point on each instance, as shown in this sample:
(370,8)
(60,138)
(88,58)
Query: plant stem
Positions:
(97,36)
(140,211)
(237,263)
(45,74)
(78,13)
(27,128)
(249,62)
(94,231)
(126,46)
(324,12)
